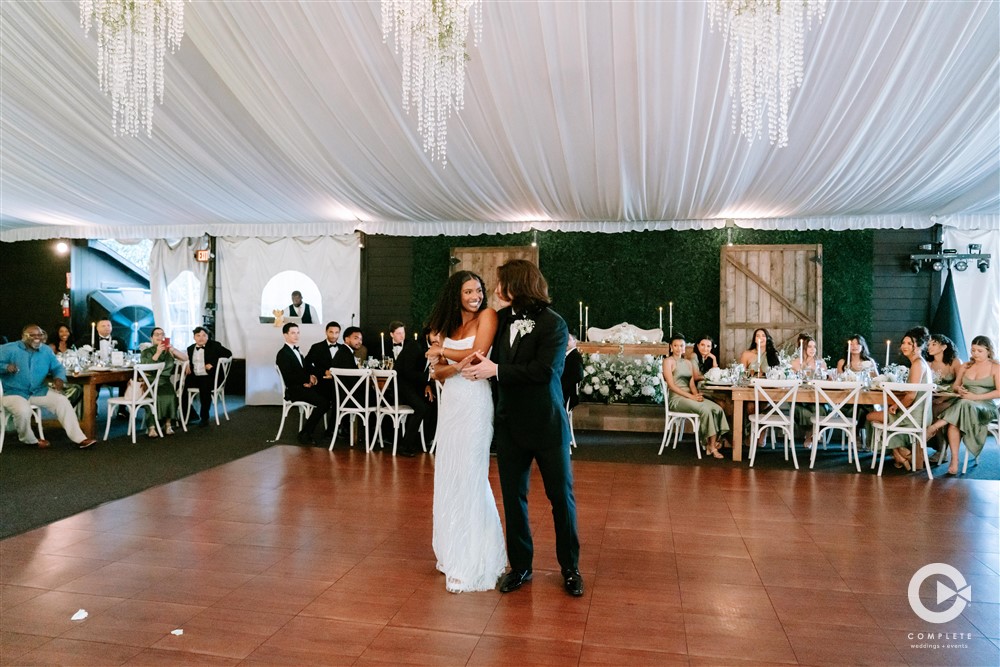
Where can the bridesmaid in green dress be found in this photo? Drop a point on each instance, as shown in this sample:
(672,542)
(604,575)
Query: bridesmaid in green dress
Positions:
(761,346)
(685,397)
(166,399)
(977,386)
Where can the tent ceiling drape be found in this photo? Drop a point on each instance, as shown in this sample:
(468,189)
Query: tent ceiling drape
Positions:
(285,118)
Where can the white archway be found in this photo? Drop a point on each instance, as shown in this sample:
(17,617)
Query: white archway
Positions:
(277,293)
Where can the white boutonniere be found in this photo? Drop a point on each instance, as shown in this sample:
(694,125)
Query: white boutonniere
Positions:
(524,327)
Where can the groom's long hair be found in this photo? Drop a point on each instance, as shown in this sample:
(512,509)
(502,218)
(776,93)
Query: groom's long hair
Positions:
(524,285)
(446,318)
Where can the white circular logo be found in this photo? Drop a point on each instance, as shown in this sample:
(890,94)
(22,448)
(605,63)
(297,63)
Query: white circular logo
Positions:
(959,589)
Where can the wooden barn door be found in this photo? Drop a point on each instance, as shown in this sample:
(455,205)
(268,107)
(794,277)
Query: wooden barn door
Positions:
(485,261)
(777,287)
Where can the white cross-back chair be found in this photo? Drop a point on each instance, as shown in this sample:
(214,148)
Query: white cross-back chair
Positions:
(909,422)
(387,405)
(218,392)
(305,409)
(842,416)
(141,393)
(36,414)
(676,421)
(774,408)
(177,380)
(351,393)
(569,414)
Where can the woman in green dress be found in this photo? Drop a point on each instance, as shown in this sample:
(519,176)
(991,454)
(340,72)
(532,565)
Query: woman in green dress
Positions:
(977,386)
(684,396)
(912,347)
(166,398)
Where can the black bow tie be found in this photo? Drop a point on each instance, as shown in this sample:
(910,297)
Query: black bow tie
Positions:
(199,347)
(397,346)
(295,347)
(519,316)
(103,338)
(332,344)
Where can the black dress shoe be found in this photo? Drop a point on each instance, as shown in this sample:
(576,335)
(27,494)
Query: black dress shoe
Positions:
(306,439)
(573,582)
(514,580)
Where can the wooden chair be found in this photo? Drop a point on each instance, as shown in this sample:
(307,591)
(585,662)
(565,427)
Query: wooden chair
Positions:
(676,421)
(140,393)
(351,391)
(911,422)
(778,400)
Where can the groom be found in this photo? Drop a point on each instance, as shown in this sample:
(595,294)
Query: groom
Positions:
(531,424)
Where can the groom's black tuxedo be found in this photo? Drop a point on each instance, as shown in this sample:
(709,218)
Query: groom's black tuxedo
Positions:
(531,424)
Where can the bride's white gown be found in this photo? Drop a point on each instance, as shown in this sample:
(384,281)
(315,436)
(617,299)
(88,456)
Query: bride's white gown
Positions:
(468,539)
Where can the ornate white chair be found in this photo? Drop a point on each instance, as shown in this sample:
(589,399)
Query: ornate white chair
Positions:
(676,421)
(305,409)
(774,408)
(140,393)
(911,421)
(36,414)
(218,392)
(387,405)
(351,391)
(842,416)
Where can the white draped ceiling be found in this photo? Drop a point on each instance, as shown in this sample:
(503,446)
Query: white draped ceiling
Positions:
(285,118)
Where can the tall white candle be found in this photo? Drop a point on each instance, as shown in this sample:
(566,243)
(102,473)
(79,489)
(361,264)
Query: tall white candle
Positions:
(671,305)
(381,334)
(586,320)
(758,358)
(887,344)
(661,318)
(93,340)
(847,364)
(581,320)
(802,360)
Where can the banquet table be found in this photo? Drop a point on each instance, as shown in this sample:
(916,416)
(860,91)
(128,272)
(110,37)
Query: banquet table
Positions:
(91,382)
(806,396)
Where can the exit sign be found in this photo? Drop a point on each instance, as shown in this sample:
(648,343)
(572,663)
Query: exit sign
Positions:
(202,255)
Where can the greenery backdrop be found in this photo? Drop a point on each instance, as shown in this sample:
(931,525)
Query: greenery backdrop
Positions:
(626,277)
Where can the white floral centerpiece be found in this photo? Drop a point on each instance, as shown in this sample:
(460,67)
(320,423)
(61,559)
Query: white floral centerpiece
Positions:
(619,378)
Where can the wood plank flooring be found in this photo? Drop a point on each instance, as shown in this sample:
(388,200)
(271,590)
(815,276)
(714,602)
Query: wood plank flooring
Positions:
(298,556)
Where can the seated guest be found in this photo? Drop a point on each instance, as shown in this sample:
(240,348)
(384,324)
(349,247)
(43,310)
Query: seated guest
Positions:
(354,340)
(978,387)
(64,340)
(300,383)
(24,367)
(105,342)
(911,347)
(861,358)
(166,398)
(325,355)
(411,382)
(572,374)
(299,309)
(810,362)
(204,356)
(685,397)
(761,346)
(705,356)
(943,360)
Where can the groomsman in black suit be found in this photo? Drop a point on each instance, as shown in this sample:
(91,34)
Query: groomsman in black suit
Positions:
(300,383)
(324,355)
(410,364)
(204,356)
(530,424)
(106,343)
(572,374)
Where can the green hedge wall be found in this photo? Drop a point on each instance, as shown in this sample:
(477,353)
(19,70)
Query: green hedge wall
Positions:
(625,277)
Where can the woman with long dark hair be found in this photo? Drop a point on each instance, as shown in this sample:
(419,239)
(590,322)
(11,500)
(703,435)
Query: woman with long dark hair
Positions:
(467,539)
(706,355)
(762,346)
(683,396)
(64,339)
(861,358)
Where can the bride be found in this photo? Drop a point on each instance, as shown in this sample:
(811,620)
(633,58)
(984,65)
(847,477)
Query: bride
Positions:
(468,540)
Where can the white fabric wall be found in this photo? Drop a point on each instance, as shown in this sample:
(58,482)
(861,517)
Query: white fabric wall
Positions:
(978,293)
(167,260)
(246,265)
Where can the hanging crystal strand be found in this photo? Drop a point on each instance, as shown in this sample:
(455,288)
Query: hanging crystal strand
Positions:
(132,39)
(431,35)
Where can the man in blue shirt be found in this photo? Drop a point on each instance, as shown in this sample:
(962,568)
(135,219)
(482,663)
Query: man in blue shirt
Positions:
(24,368)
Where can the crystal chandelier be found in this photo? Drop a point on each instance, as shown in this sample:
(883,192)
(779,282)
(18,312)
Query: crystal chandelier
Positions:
(765,58)
(132,36)
(432,35)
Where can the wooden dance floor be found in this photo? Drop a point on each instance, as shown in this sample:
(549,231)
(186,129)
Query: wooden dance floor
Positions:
(296,556)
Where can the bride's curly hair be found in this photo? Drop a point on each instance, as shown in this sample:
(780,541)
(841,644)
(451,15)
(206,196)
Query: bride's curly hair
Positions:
(446,317)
